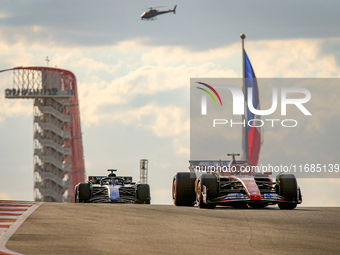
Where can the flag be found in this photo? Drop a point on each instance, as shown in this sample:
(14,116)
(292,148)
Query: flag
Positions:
(252,130)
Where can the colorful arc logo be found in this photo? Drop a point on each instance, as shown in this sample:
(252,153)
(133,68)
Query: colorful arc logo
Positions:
(209,93)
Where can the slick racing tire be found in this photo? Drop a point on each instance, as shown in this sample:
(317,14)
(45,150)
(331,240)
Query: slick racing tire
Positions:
(288,189)
(210,181)
(183,189)
(84,192)
(287,186)
(143,193)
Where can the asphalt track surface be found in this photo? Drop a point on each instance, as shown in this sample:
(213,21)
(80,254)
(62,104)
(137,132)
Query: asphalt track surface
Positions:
(60,228)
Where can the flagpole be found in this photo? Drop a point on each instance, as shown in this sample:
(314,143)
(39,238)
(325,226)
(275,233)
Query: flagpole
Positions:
(244,140)
(243,36)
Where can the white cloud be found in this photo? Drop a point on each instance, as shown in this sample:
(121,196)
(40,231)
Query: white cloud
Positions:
(167,68)
(172,55)
(318,192)
(161,196)
(15,108)
(182,145)
(4,196)
(294,58)
(3,15)
(164,121)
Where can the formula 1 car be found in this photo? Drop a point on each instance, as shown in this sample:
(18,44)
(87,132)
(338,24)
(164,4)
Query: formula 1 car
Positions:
(233,183)
(112,189)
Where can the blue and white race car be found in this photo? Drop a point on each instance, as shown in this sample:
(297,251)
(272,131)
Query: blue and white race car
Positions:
(112,189)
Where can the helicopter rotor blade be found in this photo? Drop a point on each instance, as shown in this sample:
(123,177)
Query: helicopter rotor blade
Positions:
(155,7)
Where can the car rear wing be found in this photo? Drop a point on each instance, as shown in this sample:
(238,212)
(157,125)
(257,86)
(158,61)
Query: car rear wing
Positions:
(206,165)
(127,179)
(96,179)
(225,167)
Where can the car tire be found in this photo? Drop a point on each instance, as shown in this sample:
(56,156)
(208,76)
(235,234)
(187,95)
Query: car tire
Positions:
(288,189)
(183,189)
(84,192)
(287,186)
(143,193)
(210,181)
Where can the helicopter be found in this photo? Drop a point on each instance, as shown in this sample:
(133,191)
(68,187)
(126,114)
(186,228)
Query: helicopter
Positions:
(152,13)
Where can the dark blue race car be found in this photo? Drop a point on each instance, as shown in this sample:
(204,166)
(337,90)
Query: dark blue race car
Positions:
(112,189)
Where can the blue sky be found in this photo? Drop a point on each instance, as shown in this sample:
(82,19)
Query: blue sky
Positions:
(133,77)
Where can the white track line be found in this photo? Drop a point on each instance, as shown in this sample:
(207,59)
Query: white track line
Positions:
(8,232)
